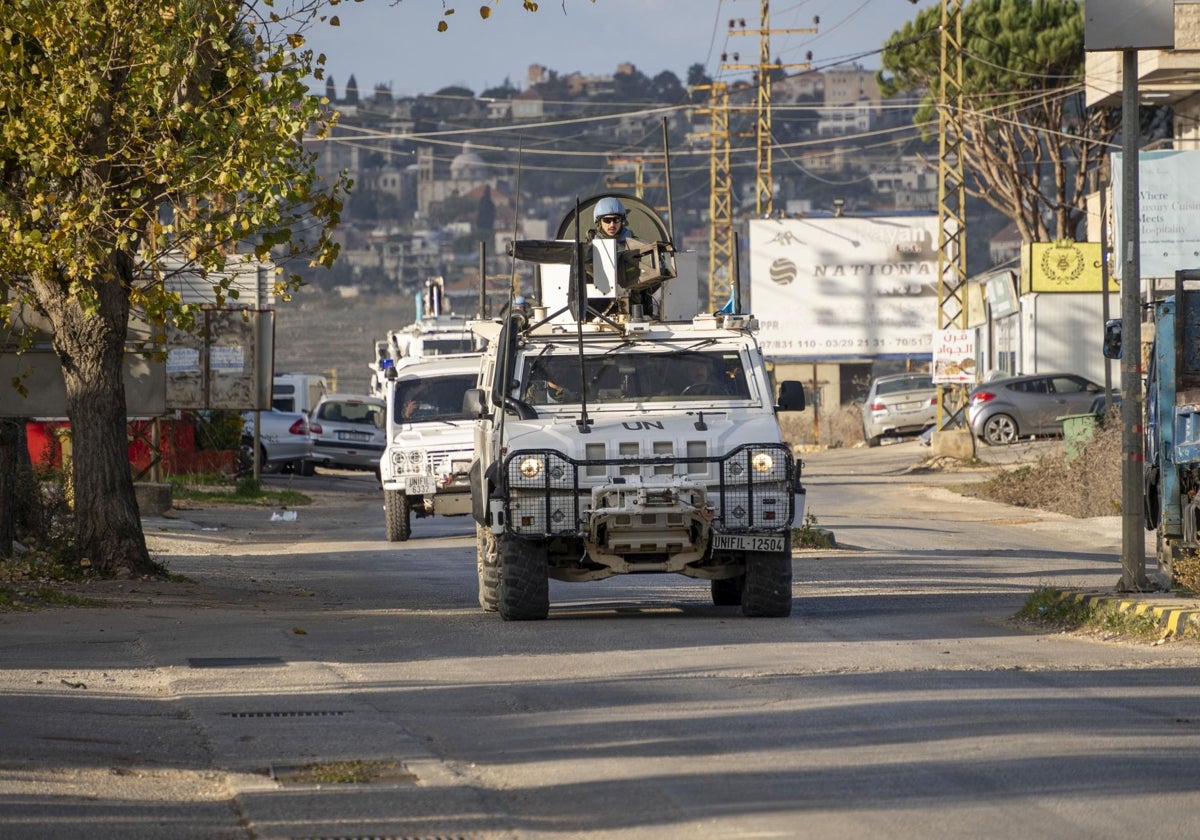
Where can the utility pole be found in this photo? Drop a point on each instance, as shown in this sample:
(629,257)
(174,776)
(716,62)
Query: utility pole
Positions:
(1107,27)
(637,169)
(952,434)
(763,182)
(721,265)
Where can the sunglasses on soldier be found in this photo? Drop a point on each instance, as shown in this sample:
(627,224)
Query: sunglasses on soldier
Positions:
(611,220)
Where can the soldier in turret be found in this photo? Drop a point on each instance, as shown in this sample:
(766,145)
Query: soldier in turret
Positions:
(612,222)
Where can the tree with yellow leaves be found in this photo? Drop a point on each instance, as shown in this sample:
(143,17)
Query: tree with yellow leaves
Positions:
(129,131)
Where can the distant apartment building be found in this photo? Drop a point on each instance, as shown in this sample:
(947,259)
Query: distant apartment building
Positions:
(1165,77)
(1005,246)
(851,102)
(527,105)
(802,87)
(910,182)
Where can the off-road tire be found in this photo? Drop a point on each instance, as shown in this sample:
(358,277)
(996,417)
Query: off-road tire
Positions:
(524,586)
(396,516)
(1166,553)
(727,592)
(1000,430)
(768,589)
(487,565)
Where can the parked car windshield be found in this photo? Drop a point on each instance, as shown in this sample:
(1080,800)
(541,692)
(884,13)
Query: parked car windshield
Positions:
(432,398)
(554,377)
(349,411)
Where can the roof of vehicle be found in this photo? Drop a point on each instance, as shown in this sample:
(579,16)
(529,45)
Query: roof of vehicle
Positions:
(892,377)
(351,398)
(438,365)
(1005,380)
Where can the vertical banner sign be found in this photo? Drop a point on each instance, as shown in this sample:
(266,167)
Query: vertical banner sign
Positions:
(1169,209)
(954,357)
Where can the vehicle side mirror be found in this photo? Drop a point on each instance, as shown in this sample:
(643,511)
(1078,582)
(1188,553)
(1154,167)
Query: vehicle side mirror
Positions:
(791,396)
(1112,338)
(474,403)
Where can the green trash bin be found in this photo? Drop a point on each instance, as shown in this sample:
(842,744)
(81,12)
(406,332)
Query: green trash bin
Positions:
(1077,431)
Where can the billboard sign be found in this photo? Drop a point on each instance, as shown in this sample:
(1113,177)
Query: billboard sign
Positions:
(844,287)
(1168,186)
(1110,25)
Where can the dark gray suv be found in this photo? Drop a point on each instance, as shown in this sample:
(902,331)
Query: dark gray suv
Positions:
(1003,410)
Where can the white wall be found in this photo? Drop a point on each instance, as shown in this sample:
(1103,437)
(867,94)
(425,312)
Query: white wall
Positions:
(1065,333)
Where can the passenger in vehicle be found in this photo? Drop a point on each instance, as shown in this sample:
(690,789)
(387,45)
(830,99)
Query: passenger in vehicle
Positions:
(413,402)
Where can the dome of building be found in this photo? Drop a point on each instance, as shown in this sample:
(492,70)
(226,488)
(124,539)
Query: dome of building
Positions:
(468,165)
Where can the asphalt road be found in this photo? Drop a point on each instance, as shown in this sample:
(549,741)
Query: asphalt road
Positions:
(897,701)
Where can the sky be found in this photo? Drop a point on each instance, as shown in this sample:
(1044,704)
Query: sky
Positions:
(396,42)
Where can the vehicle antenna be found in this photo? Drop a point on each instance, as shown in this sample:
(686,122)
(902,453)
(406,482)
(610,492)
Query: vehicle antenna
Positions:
(512,283)
(579,283)
(508,344)
(667,165)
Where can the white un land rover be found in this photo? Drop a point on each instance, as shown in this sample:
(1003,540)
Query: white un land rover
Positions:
(622,433)
(429,440)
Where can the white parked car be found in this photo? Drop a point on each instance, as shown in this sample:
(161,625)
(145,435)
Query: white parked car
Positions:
(346,431)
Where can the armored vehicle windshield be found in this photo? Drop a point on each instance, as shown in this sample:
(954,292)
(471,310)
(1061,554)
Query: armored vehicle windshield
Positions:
(552,377)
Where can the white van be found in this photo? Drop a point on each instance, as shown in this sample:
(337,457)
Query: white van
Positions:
(297,391)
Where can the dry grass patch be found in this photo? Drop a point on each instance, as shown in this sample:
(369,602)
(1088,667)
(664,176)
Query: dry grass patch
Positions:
(1086,486)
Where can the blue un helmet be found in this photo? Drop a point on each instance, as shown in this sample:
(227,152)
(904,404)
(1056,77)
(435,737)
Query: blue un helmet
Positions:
(608,206)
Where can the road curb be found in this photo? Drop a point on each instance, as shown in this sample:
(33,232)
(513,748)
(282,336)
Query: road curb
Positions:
(1175,620)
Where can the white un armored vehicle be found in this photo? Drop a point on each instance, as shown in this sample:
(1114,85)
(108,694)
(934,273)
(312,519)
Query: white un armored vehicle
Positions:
(434,332)
(422,372)
(620,432)
(429,441)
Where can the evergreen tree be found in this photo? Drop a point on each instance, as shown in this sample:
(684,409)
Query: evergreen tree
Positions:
(1028,141)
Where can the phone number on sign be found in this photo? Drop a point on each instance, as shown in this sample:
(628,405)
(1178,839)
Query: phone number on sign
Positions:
(845,344)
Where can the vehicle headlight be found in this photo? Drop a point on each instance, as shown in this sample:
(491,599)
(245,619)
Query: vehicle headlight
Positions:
(762,462)
(530,467)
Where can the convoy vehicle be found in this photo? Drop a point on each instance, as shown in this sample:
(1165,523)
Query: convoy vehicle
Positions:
(435,332)
(621,431)
(283,443)
(899,404)
(346,431)
(1171,424)
(429,440)
(1003,410)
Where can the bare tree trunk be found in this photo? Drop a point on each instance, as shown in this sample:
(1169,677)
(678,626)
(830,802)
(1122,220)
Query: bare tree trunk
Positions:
(91,347)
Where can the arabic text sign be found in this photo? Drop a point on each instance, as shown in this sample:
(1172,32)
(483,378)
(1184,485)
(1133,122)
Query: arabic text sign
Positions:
(954,357)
